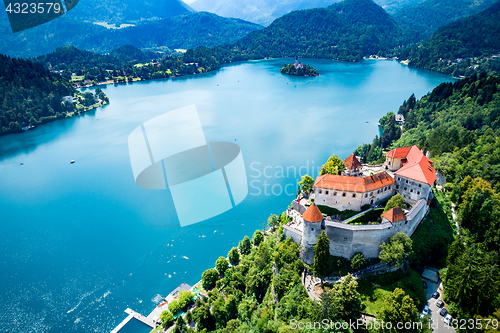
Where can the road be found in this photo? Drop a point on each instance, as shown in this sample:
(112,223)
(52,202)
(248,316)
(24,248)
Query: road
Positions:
(437,319)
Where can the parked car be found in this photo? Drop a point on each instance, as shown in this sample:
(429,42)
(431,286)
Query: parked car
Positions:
(448,319)
(443,312)
(425,312)
(435,295)
(439,304)
(425,284)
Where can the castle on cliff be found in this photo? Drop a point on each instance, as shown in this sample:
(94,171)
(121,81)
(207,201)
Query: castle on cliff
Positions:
(406,171)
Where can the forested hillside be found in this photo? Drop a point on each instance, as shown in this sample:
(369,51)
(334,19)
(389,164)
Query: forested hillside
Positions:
(463,47)
(258,11)
(185,31)
(30,94)
(459,123)
(125,63)
(426,17)
(265,11)
(180,32)
(119,12)
(344,31)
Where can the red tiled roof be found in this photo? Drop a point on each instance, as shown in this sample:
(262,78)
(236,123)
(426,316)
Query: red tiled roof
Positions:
(312,214)
(351,162)
(354,184)
(398,152)
(394,215)
(418,167)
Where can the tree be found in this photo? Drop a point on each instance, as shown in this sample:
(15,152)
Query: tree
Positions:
(273,221)
(397,250)
(395,201)
(209,277)
(357,260)
(321,257)
(333,166)
(185,297)
(347,298)
(245,245)
(204,318)
(180,325)
(174,306)
(306,183)
(167,318)
(258,237)
(397,307)
(222,265)
(234,256)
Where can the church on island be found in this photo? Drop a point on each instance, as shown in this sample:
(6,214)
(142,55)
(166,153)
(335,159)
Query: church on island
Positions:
(362,188)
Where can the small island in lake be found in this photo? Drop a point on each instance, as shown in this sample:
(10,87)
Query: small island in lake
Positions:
(298,69)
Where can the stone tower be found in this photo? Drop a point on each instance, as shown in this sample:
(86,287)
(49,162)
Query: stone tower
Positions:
(312,228)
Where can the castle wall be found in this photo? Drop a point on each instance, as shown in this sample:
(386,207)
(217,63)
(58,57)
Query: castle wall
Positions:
(412,190)
(293,233)
(343,200)
(346,239)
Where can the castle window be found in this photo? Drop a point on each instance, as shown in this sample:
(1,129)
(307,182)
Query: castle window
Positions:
(404,189)
(366,195)
(312,229)
(397,187)
(418,193)
(378,191)
(354,195)
(406,182)
(319,191)
(411,190)
(419,185)
(334,193)
(371,193)
(326,192)
(345,238)
(343,194)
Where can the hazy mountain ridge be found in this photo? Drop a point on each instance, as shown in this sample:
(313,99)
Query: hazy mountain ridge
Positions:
(462,47)
(127,11)
(265,11)
(426,17)
(344,31)
(184,31)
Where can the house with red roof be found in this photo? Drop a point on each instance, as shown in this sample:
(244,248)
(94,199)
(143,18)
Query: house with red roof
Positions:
(414,173)
(348,192)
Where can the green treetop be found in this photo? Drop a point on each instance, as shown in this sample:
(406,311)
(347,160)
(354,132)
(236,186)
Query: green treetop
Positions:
(209,277)
(245,245)
(306,183)
(321,257)
(234,256)
(222,265)
(258,237)
(395,201)
(397,250)
(333,166)
(397,308)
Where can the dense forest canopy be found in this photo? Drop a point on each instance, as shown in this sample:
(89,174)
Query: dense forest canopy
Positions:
(426,17)
(29,94)
(183,31)
(459,123)
(463,47)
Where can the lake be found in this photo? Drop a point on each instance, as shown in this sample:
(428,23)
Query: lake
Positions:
(82,242)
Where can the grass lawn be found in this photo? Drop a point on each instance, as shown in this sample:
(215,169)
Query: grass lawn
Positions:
(371,216)
(344,215)
(374,289)
(75,78)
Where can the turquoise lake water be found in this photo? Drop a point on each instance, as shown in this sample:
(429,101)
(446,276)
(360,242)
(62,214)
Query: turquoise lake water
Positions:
(82,242)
